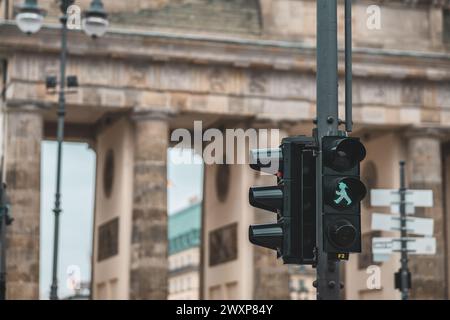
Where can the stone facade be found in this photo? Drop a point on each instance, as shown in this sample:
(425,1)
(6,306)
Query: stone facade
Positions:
(260,69)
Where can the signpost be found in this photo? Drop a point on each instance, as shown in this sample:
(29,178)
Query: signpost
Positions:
(402,203)
(388,197)
(419,226)
(385,246)
(391,197)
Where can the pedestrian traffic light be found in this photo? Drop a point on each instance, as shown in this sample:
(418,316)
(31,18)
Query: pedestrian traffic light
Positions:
(342,193)
(293,235)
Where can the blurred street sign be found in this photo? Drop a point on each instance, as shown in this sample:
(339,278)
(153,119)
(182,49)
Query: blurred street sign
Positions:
(381,257)
(385,246)
(386,222)
(409,208)
(388,197)
(402,202)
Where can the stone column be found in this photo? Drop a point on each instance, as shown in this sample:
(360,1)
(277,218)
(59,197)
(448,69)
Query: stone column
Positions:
(22,156)
(424,162)
(149,245)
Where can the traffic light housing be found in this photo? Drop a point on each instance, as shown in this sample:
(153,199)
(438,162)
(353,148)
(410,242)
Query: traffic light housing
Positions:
(293,199)
(267,198)
(342,193)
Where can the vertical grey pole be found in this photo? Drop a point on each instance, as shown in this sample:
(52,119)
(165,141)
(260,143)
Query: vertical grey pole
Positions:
(348,66)
(327,68)
(327,283)
(404,272)
(60,137)
(2,249)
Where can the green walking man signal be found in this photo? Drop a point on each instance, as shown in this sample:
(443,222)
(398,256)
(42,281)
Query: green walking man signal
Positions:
(342,193)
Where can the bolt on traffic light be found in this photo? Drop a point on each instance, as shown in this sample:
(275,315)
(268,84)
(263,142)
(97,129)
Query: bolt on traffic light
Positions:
(293,199)
(342,193)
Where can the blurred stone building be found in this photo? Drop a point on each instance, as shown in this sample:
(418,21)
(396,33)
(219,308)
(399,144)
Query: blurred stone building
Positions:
(230,64)
(184,253)
(301,282)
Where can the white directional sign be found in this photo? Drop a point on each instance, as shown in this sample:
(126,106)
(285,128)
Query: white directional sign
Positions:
(413,198)
(381,257)
(385,222)
(409,208)
(384,246)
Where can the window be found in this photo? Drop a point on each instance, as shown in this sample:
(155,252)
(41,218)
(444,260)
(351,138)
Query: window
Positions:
(188,259)
(302,287)
(292,285)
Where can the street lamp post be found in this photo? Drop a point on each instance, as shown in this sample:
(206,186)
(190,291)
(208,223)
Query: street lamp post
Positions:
(60,138)
(95,23)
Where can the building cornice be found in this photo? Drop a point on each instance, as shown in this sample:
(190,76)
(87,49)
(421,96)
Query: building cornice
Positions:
(133,34)
(223,50)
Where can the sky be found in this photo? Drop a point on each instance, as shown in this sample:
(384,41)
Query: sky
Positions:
(78,187)
(185,181)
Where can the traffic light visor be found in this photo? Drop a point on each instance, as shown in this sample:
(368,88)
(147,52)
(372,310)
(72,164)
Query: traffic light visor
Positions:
(266,160)
(266,235)
(346,154)
(267,198)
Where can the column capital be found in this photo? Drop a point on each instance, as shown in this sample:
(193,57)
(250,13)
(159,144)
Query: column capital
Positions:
(437,133)
(144,114)
(24,107)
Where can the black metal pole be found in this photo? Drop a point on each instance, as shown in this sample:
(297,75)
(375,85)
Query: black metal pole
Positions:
(404,271)
(327,283)
(60,138)
(348,66)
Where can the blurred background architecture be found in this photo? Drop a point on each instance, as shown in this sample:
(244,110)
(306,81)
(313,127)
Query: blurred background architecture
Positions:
(301,282)
(164,64)
(184,253)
